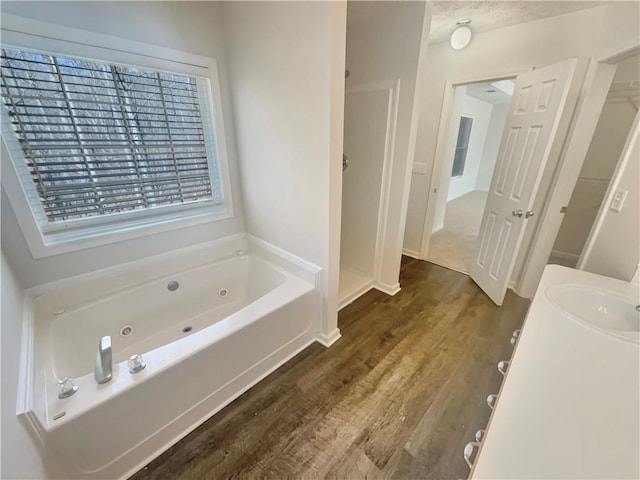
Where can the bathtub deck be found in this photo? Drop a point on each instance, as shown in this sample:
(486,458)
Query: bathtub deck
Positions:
(398,395)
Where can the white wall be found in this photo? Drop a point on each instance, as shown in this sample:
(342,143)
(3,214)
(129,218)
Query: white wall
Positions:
(287,69)
(500,52)
(480,112)
(615,243)
(384,44)
(491,146)
(19,457)
(194,27)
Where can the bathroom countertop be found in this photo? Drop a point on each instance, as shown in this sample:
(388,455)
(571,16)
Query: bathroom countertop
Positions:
(570,403)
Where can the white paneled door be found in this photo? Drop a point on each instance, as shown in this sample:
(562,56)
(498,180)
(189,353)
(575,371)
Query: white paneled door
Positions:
(534,113)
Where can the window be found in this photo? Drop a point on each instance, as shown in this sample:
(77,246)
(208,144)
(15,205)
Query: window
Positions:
(106,144)
(103,139)
(462,145)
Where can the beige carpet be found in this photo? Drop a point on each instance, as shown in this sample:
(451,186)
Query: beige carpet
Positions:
(453,246)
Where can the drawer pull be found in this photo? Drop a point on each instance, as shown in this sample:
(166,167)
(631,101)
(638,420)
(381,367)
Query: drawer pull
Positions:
(470,450)
(491,401)
(479,436)
(514,337)
(502,366)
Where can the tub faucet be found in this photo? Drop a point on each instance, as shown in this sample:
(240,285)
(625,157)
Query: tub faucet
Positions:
(103,360)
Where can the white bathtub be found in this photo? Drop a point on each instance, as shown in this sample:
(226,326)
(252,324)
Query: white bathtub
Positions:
(230,323)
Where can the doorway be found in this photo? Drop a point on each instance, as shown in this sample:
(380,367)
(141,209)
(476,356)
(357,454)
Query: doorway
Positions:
(477,122)
(369,127)
(616,119)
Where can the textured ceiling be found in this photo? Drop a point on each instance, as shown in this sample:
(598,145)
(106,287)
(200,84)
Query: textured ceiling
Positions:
(487,15)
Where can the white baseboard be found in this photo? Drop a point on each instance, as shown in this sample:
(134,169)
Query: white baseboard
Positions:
(353,296)
(565,256)
(329,339)
(411,253)
(388,289)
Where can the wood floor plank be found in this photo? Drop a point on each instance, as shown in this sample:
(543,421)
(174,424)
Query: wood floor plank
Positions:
(397,396)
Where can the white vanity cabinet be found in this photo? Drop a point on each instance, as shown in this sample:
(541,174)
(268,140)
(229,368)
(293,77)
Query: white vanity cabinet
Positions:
(569,406)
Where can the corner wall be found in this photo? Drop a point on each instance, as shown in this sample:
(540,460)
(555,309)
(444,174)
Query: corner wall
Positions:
(286,64)
(194,27)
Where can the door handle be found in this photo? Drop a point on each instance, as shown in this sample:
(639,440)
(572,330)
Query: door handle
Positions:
(521,213)
(345,162)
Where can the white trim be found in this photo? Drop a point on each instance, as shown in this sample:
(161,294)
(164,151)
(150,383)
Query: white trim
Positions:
(387,168)
(25,391)
(411,253)
(354,295)
(309,272)
(392,87)
(388,289)
(42,240)
(60,39)
(593,95)
(616,178)
(566,256)
(444,127)
(329,339)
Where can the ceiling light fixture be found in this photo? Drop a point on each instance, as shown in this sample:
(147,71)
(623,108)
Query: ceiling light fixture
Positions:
(461,36)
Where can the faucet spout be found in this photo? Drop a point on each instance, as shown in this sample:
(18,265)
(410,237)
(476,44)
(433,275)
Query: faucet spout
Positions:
(103,370)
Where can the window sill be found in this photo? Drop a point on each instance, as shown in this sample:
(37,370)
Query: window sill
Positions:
(65,241)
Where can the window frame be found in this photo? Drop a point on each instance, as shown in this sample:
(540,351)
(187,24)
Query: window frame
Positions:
(63,237)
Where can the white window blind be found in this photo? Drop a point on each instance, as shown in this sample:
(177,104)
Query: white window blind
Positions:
(102,139)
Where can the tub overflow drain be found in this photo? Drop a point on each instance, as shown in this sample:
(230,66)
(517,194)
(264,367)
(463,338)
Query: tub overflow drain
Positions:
(223,292)
(172,286)
(126,331)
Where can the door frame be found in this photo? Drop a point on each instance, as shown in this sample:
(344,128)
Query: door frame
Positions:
(443,144)
(591,99)
(393,89)
(623,160)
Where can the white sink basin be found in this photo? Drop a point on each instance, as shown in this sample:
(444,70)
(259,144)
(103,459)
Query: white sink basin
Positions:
(605,311)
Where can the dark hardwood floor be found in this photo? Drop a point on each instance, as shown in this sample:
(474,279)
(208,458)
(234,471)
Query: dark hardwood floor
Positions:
(398,396)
